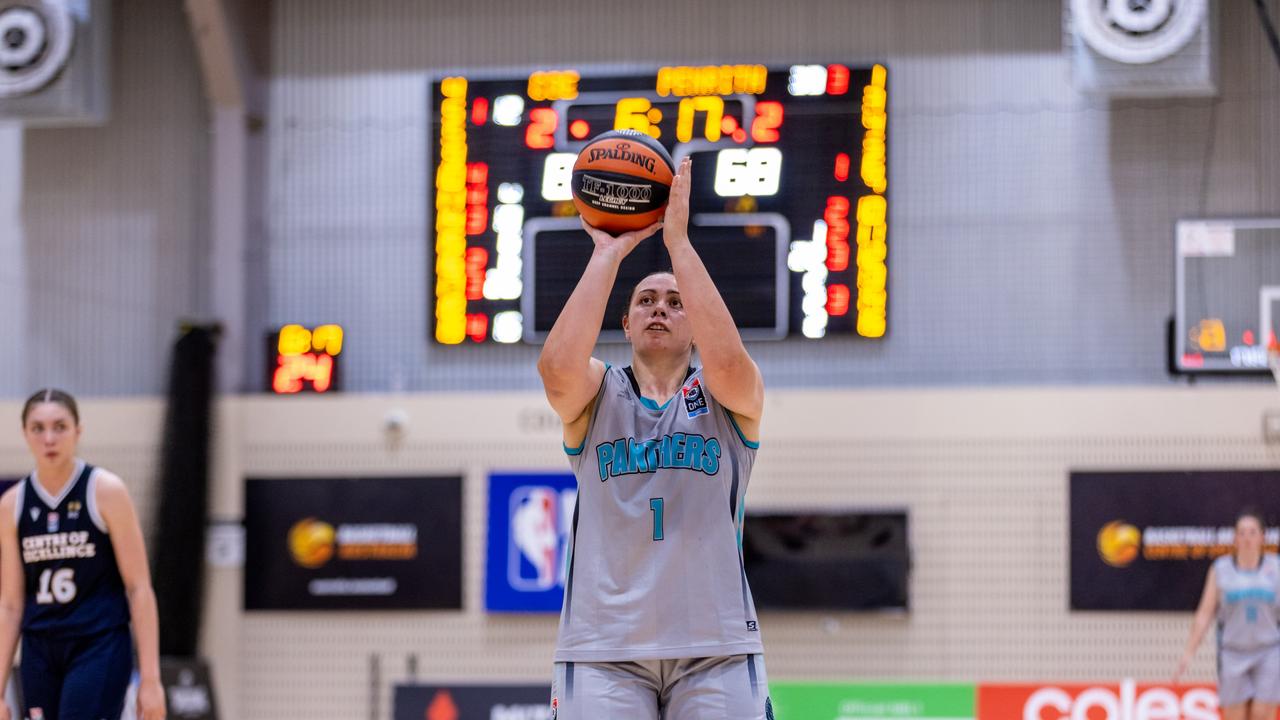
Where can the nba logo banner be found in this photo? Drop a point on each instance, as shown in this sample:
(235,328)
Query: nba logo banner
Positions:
(530,518)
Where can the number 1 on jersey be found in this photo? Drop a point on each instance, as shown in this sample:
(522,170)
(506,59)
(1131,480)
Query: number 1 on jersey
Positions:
(655,504)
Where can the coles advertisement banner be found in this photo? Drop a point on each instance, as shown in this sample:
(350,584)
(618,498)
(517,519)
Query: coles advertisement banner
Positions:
(872,701)
(1145,540)
(1126,700)
(530,518)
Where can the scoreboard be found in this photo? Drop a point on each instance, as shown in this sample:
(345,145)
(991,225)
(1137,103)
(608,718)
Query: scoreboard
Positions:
(788,209)
(1227,286)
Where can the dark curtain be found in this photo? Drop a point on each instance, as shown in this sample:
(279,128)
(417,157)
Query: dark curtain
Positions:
(178,545)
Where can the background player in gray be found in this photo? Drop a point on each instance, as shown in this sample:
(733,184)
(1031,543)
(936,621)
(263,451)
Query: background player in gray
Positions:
(1240,592)
(658,621)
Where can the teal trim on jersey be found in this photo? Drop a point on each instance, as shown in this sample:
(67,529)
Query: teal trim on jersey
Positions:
(653,405)
(742,509)
(743,438)
(575,451)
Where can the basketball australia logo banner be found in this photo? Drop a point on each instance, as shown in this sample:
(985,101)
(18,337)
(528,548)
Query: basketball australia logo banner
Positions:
(1145,540)
(1137,32)
(353,543)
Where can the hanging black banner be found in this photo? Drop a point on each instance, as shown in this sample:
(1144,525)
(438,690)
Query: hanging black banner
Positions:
(353,543)
(1145,540)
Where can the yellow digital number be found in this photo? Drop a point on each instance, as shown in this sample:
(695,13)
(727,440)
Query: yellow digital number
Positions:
(637,114)
(553,85)
(294,340)
(712,105)
(327,339)
(1209,336)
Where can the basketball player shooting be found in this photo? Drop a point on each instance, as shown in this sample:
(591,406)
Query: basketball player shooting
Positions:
(658,620)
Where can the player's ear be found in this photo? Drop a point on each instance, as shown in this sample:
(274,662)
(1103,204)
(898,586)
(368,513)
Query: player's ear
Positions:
(626,325)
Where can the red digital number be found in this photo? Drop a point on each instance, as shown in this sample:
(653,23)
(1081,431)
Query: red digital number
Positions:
(837,300)
(477,262)
(837,79)
(842,167)
(542,128)
(764,128)
(477,326)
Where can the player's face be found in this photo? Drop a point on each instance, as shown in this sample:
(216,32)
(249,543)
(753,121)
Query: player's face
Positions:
(51,432)
(1248,535)
(656,321)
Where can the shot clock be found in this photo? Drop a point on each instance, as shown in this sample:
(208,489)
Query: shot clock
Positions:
(789,204)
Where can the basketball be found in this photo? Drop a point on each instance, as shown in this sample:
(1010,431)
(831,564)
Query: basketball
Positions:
(621,181)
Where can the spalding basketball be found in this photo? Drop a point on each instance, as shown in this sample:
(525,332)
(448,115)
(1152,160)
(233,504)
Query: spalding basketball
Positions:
(621,181)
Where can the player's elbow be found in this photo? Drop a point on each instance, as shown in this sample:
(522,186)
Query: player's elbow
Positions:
(556,371)
(11,609)
(139,589)
(548,362)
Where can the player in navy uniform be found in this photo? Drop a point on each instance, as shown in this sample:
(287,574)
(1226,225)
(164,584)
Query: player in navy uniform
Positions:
(73,576)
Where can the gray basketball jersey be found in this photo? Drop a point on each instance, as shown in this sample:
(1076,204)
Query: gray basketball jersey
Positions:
(1247,603)
(655,561)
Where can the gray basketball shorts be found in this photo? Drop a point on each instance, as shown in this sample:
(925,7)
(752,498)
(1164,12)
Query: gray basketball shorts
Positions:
(717,688)
(1245,675)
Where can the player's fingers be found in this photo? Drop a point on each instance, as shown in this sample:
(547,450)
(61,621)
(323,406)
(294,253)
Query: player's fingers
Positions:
(591,229)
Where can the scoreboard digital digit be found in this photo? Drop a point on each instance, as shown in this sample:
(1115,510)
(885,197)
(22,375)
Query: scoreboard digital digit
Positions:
(789,204)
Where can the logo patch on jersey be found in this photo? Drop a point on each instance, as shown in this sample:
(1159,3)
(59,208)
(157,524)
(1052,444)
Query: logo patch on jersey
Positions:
(35,514)
(695,401)
(753,626)
(52,522)
(73,510)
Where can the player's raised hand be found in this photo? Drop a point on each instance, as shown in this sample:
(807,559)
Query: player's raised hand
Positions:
(150,700)
(675,224)
(621,244)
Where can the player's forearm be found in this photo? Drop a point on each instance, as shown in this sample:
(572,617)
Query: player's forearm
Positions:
(1198,629)
(10,628)
(146,630)
(572,339)
(714,331)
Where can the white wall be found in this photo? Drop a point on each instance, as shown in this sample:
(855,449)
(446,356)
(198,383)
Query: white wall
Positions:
(1031,227)
(116,220)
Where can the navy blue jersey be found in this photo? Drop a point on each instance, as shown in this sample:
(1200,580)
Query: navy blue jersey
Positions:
(73,584)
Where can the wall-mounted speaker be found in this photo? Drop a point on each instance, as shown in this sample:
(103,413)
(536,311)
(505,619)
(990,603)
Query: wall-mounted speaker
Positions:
(55,62)
(1141,48)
